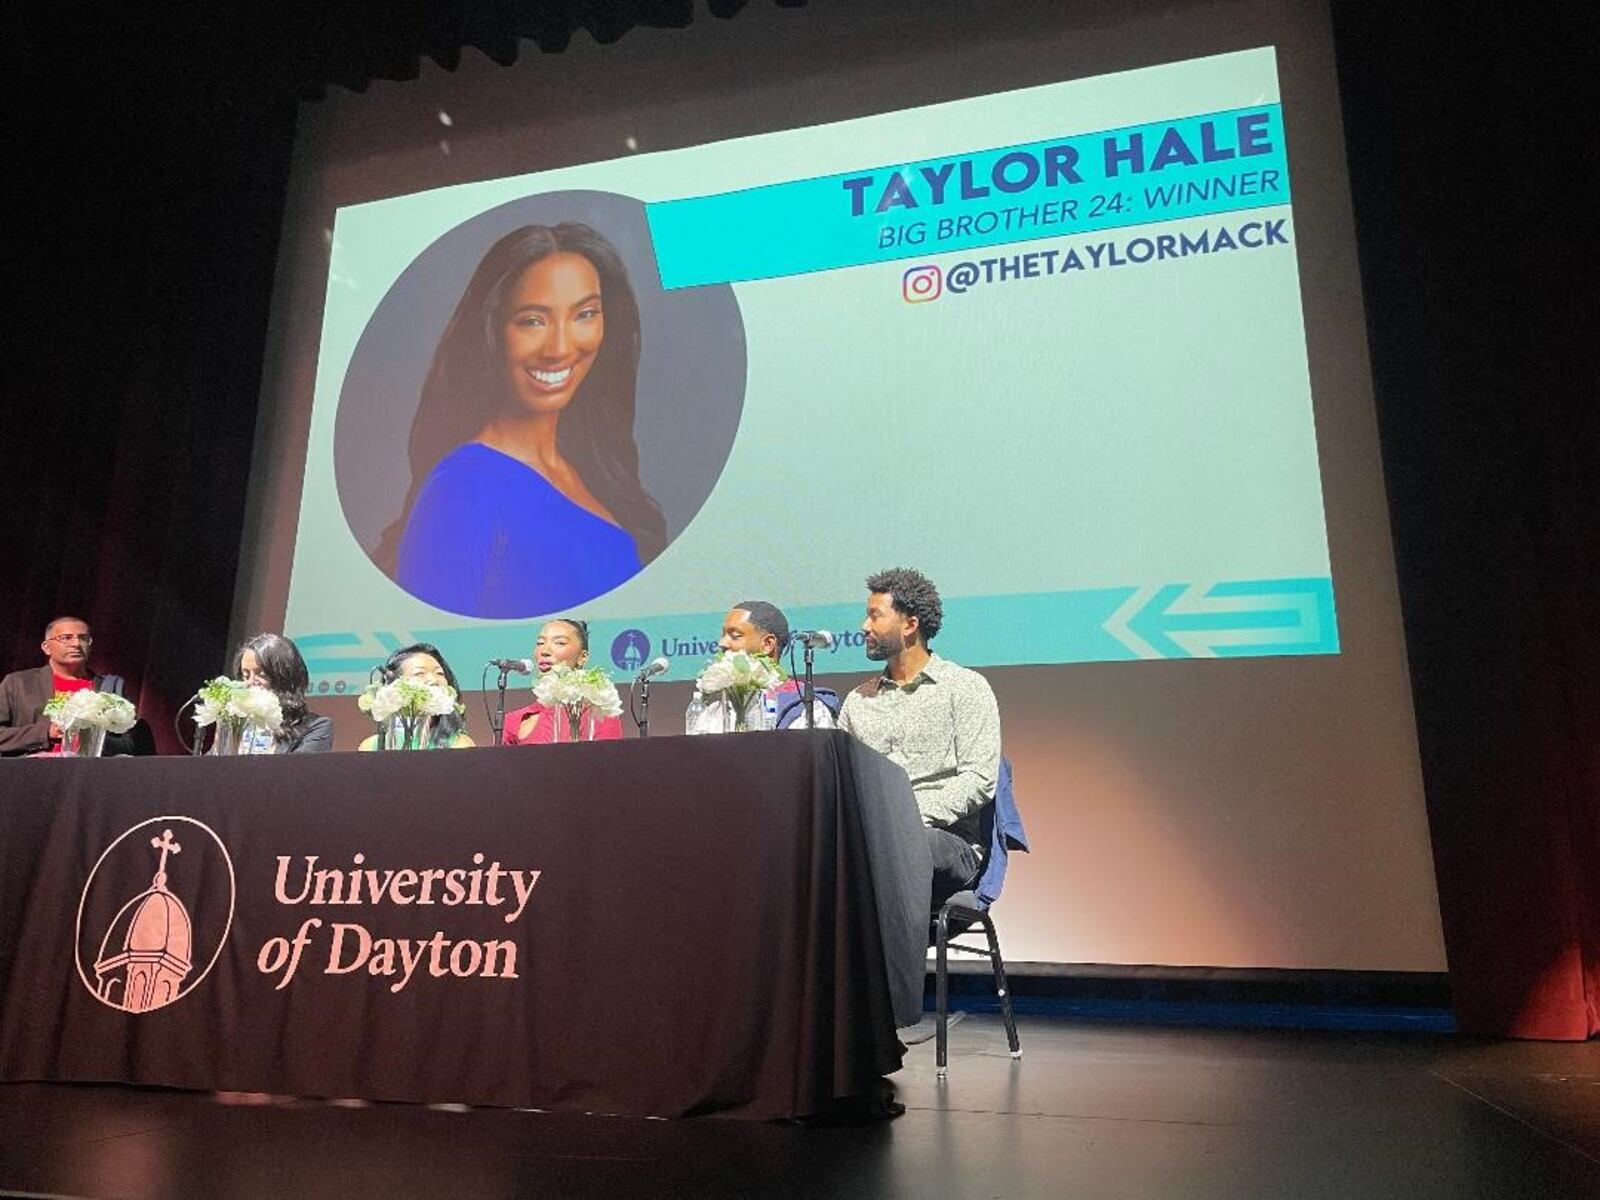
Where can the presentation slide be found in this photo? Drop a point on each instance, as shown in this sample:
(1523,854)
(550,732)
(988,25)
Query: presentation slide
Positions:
(1065,313)
(1052,338)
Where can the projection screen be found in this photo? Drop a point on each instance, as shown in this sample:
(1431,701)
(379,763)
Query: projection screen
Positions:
(1064,313)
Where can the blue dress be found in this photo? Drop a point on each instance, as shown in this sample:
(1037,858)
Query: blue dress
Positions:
(489,536)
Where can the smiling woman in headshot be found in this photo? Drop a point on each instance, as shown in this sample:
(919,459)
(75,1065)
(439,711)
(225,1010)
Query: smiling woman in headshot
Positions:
(525,493)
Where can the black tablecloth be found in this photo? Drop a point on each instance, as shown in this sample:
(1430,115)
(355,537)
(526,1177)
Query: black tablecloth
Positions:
(728,923)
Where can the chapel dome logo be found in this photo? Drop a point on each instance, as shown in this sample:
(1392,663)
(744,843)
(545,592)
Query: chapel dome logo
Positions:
(631,649)
(155,914)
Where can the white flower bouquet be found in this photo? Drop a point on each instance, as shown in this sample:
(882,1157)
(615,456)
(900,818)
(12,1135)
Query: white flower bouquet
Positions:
(409,707)
(738,677)
(235,704)
(408,698)
(87,709)
(584,695)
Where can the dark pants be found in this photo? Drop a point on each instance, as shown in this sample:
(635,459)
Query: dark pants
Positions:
(955,864)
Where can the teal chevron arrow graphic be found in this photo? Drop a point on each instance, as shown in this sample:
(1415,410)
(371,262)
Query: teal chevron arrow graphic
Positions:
(1228,620)
(348,653)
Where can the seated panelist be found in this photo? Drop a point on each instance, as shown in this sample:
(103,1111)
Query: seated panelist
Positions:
(272,661)
(24,729)
(937,720)
(564,640)
(759,627)
(422,662)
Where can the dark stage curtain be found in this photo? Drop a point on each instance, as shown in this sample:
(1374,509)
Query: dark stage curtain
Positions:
(150,167)
(358,41)
(1472,172)
(151,148)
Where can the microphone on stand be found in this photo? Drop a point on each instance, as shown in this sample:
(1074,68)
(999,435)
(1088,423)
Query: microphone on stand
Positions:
(514,666)
(812,640)
(641,684)
(651,669)
(506,667)
(197,742)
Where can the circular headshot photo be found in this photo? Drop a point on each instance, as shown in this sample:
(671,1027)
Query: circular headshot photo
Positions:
(529,420)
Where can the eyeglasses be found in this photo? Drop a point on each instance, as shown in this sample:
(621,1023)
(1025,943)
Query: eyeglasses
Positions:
(64,638)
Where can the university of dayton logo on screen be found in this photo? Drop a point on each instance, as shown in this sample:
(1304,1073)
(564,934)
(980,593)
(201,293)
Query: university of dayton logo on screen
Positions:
(631,649)
(154,914)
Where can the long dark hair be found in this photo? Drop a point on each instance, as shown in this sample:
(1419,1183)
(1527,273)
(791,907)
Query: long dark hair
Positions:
(466,384)
(445,728)
(285,671)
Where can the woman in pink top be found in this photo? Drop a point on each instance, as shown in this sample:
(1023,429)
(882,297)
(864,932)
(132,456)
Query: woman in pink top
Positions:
(564,640)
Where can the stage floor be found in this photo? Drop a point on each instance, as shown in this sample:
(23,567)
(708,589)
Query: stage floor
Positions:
(1092,1110)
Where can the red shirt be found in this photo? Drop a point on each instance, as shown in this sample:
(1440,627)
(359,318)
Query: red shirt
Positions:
(66,683)
(609,729)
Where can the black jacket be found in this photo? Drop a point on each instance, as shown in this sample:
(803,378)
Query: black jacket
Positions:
(313,735)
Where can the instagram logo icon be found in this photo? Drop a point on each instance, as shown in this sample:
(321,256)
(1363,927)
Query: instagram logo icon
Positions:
(921,284)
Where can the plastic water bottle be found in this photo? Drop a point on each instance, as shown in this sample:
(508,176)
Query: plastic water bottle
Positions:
(696,711)
(769,710)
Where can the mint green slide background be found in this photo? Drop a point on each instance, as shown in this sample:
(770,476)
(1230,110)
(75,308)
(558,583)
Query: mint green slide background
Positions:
(1101,465)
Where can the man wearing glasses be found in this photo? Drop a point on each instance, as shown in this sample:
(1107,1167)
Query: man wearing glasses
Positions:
(23,694)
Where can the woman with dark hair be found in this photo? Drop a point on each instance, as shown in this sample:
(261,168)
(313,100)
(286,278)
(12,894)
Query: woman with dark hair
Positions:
(423,662)
(270,660)
(525,493)
(563,640)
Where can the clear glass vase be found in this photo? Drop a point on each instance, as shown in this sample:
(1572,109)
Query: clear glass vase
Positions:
(409,733)
(241,738)
(83,743)
(742,713)
(574,723)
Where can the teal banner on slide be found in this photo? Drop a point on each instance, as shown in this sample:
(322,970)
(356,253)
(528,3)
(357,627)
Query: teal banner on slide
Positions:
(1159,171)
(1242,618)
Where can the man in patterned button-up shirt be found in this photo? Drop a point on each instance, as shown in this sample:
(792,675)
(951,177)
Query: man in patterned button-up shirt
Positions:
(936,719)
